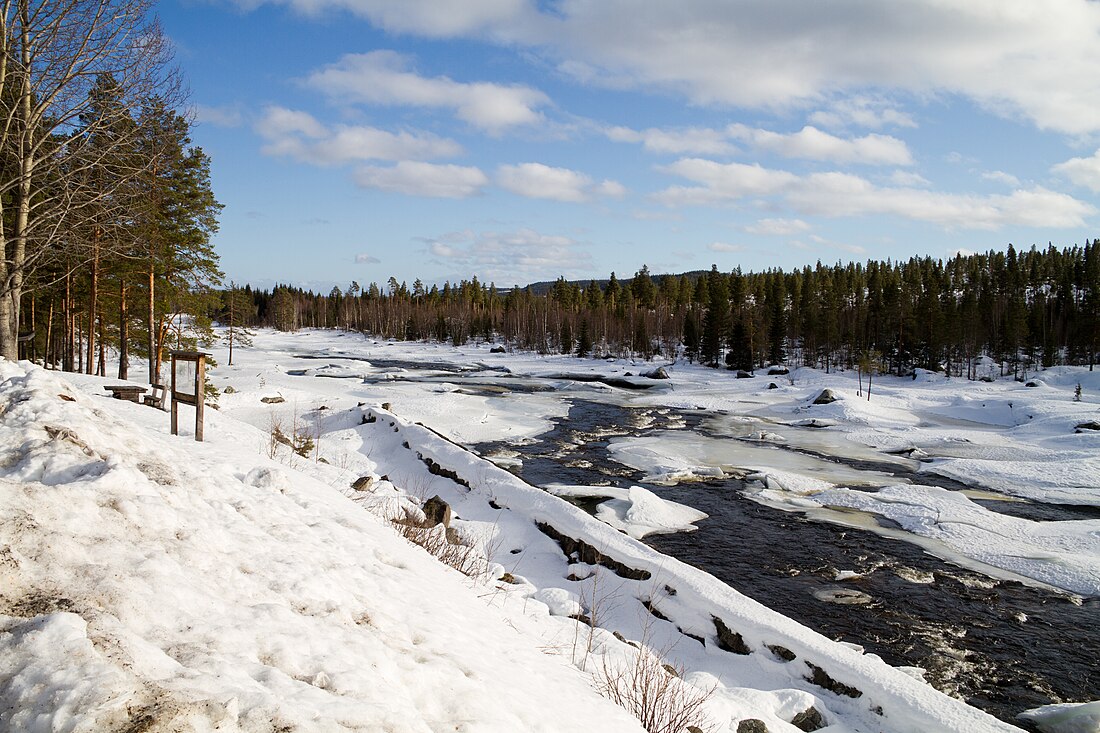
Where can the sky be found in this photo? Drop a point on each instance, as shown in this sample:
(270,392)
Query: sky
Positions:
(523,140)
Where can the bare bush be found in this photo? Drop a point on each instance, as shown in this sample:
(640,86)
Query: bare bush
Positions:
(654,692)
(463,558)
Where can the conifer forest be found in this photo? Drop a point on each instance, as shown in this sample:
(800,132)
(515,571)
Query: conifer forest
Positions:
(1021,310)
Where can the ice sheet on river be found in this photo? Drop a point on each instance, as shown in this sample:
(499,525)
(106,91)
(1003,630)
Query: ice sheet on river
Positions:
(1060,554)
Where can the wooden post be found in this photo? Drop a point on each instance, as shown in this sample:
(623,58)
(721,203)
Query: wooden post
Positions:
(195,397)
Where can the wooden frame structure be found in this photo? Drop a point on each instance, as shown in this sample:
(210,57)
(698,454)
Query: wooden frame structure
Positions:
(194,397)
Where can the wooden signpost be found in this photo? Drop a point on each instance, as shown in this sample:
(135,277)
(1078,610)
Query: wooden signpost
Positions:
(188,386)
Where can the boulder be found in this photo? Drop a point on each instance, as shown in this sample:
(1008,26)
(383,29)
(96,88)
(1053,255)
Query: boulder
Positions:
(728,639)
(229,389)
(773,385)
(437,511)
(497,350)
(742,374)
(826,397)
(658,373)
(778,371)
(363,483)
(272,400)
(752,725)
(1090,425)
(808,720)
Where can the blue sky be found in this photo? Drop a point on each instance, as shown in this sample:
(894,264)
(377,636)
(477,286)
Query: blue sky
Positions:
(518,140)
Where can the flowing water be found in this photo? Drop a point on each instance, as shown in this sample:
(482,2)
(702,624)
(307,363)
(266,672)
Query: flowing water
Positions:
(1002,646)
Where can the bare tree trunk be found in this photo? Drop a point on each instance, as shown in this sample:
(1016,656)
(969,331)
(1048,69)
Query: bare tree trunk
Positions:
(93,297)
(123,333)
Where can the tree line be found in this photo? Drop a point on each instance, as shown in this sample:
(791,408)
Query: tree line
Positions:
(1021,310)
(106,207)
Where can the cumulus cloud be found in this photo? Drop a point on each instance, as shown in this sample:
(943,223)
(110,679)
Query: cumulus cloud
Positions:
(387,78)
(725,247)
(690,140)
(415,178)
(836,194)
(538,181)
(1082,171)
(225,116)
(1001,177)
(778,227)
(810,143)
(301,136)
(366,259)
(1017,58)
(861,111)
(512,257)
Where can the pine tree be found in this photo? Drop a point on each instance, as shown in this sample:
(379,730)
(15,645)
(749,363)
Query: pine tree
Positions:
(716,320)
(584,341)
(237,313)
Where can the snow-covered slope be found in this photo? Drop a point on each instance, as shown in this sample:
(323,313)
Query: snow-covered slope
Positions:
(154,583)
(147,577)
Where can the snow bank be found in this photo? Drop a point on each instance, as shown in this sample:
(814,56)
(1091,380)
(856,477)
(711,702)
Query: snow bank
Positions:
(157,582)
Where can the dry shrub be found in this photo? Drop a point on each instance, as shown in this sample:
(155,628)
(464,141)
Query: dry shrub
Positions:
(653,692)
(463,558)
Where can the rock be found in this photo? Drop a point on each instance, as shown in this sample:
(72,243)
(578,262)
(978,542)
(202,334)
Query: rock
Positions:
(658,373)
(808,720)
(778,371)
(773,385)
(729,640)
(1033,384)
(822,679)
(742,374)
(229,389)
(363,483)
(436,511)
(782,652)
(272,400)
(986,378)
(826,397)
(387,406)
(1090,425)
(752,725)
(497,350)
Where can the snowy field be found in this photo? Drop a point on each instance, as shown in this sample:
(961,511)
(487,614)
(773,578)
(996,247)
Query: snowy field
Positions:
(234,585)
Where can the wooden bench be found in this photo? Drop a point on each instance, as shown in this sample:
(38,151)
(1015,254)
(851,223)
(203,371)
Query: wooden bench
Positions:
(158,398)
(126,392)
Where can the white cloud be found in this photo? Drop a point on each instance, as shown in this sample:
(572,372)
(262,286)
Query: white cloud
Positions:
(811,143)
(538,181)
(415,178)
(909,179)
(725,247)
(779,227)
(226,116)
(432,18)
(691,140)
(366,259)
(836,194)
(1082,171)
(508,258)
(386,77)
(300,136)
(861,111)
(1001,177)
(1017,58)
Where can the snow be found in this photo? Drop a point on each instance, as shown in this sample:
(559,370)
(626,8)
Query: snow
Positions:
(1066,717)
(234,584)
(1058,554)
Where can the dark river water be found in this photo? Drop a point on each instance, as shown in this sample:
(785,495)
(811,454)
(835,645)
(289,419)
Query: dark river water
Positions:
(999,645)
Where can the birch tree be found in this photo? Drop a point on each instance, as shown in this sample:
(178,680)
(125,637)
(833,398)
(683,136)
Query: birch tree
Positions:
(52,53)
